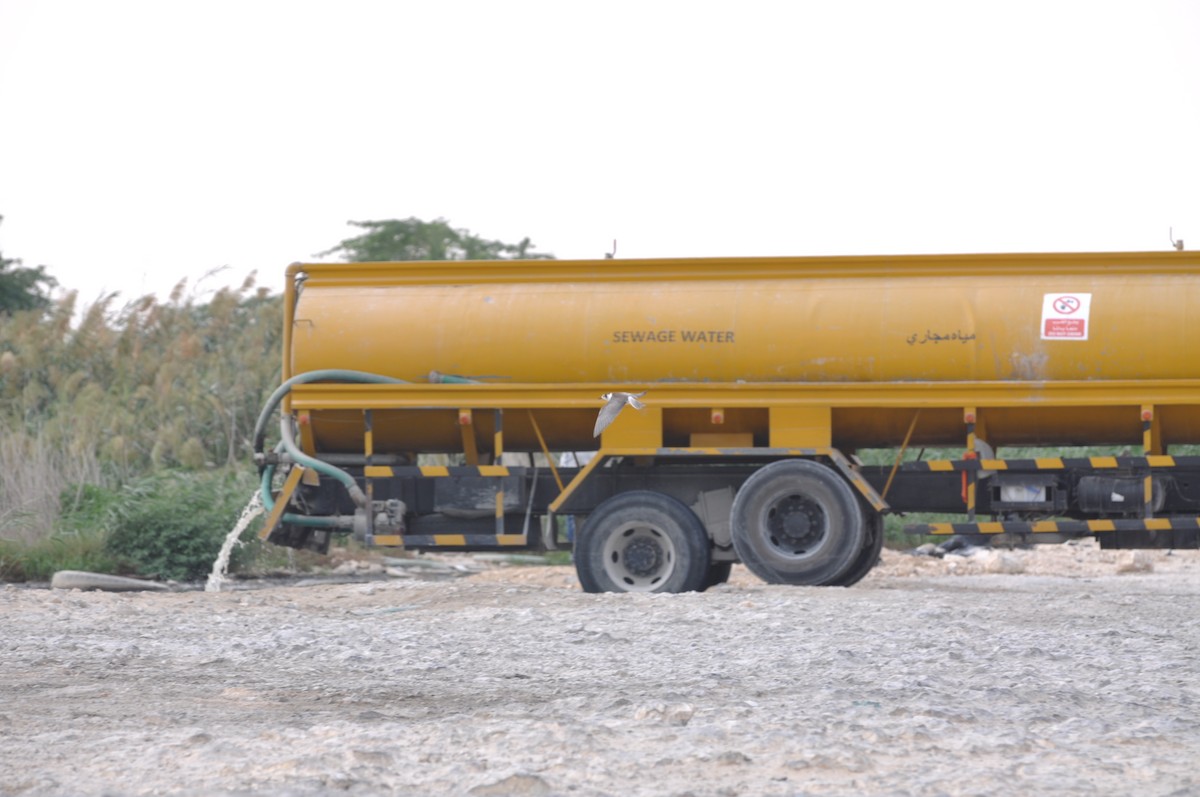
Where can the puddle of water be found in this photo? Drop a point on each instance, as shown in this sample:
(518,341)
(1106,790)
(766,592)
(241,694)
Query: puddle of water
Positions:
(253,509)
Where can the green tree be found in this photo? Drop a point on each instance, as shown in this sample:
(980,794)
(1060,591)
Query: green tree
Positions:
(23,288)
(414,239)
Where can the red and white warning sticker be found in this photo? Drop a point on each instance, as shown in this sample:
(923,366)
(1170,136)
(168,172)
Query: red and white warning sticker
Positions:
(1065,316)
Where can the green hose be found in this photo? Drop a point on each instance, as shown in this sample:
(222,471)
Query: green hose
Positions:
(316,521)
(260,427)
(332,471)
(328,374)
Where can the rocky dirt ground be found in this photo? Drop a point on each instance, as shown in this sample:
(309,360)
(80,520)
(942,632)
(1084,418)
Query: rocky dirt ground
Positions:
(1060,670)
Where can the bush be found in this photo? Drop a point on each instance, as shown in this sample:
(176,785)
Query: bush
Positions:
(40,560)
(171,525)
(73,540)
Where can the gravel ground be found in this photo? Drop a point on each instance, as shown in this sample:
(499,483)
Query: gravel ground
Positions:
(1066,670)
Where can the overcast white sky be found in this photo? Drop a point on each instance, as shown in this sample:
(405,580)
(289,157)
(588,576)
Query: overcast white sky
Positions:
(142,142)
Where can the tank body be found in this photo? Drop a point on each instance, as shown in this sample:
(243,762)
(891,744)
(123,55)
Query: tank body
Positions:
(867,331)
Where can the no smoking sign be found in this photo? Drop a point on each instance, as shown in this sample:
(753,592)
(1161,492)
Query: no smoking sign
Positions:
(1065,316)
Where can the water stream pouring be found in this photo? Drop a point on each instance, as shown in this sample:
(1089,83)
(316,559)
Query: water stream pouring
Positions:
(252,510)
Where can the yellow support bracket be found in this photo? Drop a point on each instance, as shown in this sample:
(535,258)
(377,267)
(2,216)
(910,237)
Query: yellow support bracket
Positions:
(281,501)
(970,480)
(912,427)
(466,424)
(1151,432)
(545,450)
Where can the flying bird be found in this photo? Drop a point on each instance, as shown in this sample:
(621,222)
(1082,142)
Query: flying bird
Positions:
(613,404)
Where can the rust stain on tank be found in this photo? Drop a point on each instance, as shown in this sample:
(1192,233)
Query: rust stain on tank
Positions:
(1029,367)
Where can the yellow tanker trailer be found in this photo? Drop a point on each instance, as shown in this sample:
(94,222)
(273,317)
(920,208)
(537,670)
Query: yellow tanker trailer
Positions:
(762,378)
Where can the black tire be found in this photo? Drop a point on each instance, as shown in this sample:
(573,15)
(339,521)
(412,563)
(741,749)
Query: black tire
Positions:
(718,573)
(868,557)
(642,541)
(797,522)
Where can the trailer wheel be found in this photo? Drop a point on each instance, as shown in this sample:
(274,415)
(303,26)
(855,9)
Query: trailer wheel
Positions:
(797,522)
(868,557)
(642,541)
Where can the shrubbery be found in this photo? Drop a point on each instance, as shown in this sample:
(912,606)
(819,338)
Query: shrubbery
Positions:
(171,525)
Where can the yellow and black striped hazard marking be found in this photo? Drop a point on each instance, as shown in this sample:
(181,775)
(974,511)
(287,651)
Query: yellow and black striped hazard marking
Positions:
(433,471)
(1057,526)
(447,540)
(1053,463)
(857,481)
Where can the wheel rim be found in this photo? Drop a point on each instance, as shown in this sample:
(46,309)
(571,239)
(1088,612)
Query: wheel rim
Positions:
(639,557)
(796,526)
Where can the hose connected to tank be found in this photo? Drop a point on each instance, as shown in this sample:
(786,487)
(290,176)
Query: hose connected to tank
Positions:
(287,441)
(325,374)
(313,521)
